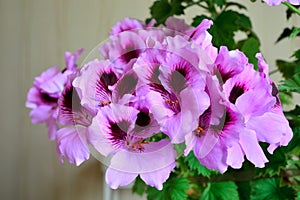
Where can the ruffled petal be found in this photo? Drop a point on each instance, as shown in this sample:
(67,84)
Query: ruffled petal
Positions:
(115,178)
(157,178)
(72,144)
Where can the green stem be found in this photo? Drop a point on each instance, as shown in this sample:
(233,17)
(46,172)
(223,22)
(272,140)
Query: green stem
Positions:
(291,7)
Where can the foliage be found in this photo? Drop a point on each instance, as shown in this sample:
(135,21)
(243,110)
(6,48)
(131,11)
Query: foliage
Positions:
(280,177)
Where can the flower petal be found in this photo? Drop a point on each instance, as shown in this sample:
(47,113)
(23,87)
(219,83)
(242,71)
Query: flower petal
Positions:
(72,144)
(115,178)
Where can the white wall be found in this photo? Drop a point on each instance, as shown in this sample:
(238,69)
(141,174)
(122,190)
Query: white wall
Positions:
(34,35)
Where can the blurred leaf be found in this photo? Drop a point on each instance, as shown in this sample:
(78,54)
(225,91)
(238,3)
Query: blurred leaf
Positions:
(244,189)
(225,25)
(198,19)
(288,69)
(286,98)
(162,9)
(295,32)
(250,48)
(195,165)
(174,189)
(220,191)
(287,32)
(297,55)
(294,117)
(291,85)
(238,5)
(271,189)
(139,186)
(220,3)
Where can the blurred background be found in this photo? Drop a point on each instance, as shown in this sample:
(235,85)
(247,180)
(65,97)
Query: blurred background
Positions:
(34,35)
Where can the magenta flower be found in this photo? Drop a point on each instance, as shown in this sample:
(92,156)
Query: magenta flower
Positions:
(277,2)
(94,83)
(72,139)
(129,24)
(175,91)
(113,132)
(43,97)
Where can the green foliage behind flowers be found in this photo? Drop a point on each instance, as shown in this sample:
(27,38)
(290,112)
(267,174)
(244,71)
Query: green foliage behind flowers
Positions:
(280,177)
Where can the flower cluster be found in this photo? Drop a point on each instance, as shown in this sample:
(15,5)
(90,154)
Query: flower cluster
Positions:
(155,88)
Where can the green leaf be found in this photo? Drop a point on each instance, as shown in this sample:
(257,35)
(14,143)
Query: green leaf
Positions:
(220,191)
(194,164)
(291,85)
(225,25)
(288,69)
(198,19)
(238,5)
(250,48)
(244,189)
(174,189)
(294,117)
(297,55)
(289,32)
(286,33)
(295,32)
(286,98)
(220,3)
(271,189)
(139,186)
(162,9)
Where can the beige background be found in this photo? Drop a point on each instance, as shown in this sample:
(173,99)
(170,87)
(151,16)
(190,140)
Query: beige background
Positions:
(34,35)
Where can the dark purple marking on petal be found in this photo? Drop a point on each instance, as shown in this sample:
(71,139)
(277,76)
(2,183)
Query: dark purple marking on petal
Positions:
(108,78)
(225,74)
(129,55)
(47,98)
(170,99)
(143,118)
(103,94)
(235,92)
(118,132)
(71,110)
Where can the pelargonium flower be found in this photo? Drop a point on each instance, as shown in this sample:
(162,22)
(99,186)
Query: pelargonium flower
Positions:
(281,133)
(127,24)
(175,91)
(72,138)
(277,2)
(94,82)
(113,132)
(43,97)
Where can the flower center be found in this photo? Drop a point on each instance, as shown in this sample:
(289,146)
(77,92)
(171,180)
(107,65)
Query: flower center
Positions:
(137,146)
(105,103)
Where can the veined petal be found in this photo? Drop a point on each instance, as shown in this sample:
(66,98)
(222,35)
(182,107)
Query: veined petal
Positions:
(93,84)
(140,161)
(250,146)
(72,144)
(115,178)
(157,178)
(41,114)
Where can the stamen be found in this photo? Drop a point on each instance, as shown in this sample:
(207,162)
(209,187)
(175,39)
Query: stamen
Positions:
(139,145)
(105,103)
(200,130)
(171,102)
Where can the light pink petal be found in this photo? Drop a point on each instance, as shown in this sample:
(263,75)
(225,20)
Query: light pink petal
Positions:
(250,146)
(235,156)
(161,152)
(115,178)
(41,114)
(157,178)
(209,141)
(72,144)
